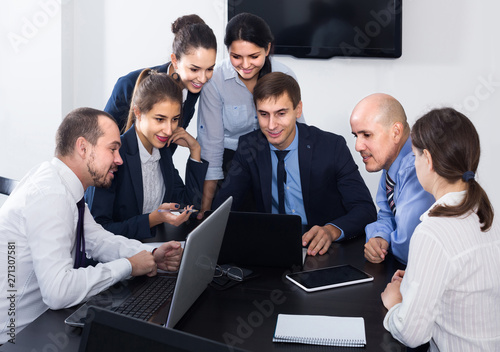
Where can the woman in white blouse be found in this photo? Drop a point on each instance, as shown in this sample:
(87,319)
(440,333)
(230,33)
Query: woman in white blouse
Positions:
(226,108)
(147,186)
(449,294)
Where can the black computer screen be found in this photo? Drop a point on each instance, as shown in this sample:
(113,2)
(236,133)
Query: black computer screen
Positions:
(326,28)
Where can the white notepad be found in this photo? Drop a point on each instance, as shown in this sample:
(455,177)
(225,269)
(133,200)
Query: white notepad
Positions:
(320,330)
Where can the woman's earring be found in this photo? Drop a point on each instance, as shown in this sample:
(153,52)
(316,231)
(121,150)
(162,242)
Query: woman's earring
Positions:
(176,77)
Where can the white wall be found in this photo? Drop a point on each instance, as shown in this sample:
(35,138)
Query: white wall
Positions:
(450,57)
(30,88)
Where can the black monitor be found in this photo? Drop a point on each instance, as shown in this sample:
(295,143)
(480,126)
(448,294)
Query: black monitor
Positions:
(106,331)
(327,28)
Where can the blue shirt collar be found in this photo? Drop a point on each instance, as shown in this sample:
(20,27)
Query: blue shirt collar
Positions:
(295,143)
(228,71)
(393,170)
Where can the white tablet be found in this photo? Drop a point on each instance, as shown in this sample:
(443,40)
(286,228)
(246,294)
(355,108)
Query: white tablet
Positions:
(334,276)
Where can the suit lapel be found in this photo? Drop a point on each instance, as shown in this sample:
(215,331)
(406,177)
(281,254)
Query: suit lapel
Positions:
(264,165)
(305,162)
(188,108)
(134,165)
(166,157)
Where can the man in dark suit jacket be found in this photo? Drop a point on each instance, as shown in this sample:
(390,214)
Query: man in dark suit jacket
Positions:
(323,184)
(119,208)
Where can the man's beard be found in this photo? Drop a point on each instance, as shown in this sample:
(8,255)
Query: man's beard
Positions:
(101,181)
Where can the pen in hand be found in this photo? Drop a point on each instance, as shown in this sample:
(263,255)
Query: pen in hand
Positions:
(180,211)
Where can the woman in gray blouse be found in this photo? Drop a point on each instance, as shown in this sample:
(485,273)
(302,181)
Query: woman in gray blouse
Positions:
(226,109)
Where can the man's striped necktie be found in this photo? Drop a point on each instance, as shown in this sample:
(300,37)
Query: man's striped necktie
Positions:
(389,189)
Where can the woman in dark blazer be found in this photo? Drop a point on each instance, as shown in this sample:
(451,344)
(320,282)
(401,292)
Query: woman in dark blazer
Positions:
(147,186)
(193,58)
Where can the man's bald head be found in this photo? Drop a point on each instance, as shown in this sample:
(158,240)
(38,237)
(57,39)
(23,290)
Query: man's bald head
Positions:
(383,109)
(379,124)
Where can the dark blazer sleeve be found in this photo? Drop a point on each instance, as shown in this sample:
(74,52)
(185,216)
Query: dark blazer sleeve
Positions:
(105,207)
(188,108)
(244,175)
(178,192)
(335,192)
(356,197)
(236,184)
(118,104)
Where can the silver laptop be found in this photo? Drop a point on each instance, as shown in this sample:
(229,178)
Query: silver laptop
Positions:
(165,298)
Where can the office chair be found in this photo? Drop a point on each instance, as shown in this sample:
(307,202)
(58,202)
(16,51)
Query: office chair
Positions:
(7,185)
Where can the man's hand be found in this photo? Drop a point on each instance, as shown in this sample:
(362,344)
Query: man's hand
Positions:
(376,249)
(143,263)
(168,256)
(392,293)
(321,237)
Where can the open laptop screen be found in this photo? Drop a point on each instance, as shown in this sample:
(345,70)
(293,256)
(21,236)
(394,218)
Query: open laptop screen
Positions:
(260,239)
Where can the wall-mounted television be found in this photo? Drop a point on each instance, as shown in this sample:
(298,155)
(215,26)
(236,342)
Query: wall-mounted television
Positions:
(327,28)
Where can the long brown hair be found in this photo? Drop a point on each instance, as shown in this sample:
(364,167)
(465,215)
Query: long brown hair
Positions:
(151,88)
(453,142)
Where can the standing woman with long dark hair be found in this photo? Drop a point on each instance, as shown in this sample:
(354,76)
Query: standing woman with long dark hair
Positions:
(193,58)
(226,109)
(450,292)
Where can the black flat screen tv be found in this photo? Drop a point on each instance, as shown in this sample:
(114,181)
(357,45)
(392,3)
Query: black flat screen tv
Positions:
(327,28)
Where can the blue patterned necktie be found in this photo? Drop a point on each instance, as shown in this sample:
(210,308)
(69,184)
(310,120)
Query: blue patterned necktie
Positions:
(80,239)
(281,179)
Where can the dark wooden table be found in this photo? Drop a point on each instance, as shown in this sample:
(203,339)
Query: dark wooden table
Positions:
(245,314)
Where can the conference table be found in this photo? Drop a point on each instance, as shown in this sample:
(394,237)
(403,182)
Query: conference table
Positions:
(245,314)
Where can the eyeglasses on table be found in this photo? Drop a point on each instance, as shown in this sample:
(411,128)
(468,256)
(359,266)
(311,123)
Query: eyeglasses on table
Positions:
(232,272)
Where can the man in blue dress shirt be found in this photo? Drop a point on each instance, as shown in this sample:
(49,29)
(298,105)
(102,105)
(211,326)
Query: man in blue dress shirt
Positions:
(383,139)
(319,180)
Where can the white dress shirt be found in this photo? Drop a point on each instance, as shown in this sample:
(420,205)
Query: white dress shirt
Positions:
(39,221)
(152,180)
(451,287)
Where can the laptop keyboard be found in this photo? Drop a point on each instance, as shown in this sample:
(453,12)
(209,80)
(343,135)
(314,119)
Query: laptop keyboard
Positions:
(147,299)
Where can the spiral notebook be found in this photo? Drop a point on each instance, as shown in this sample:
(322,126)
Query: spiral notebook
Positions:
(320,330)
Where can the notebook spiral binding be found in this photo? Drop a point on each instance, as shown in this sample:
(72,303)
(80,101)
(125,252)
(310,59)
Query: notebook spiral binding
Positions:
(320,341)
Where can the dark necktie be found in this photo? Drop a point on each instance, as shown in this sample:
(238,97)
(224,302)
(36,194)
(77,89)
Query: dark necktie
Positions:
(80,240)
(281,179)
(389,190)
